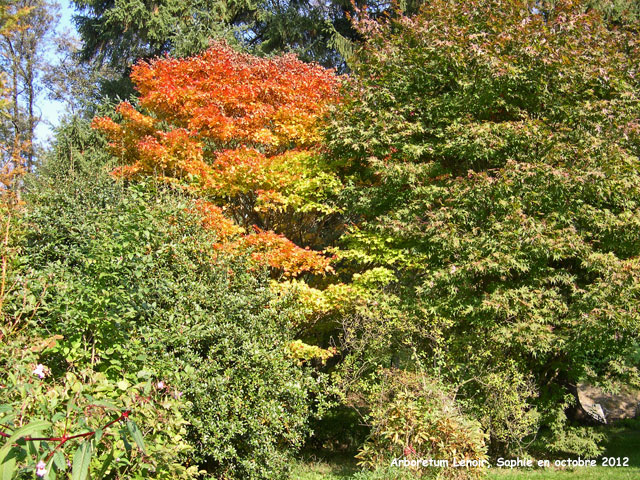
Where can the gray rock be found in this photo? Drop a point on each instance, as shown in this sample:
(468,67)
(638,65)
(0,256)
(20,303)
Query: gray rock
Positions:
(597,413)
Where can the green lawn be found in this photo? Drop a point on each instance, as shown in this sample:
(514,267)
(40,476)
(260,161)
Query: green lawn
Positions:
(623,442)
(336,468)
(595,473)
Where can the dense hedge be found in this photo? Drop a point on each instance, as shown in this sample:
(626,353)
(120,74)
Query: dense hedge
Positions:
(129,277)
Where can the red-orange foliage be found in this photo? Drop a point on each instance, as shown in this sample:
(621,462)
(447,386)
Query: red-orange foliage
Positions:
(281,253)
(232,97)
(213,219)
(238,130)
(267,248)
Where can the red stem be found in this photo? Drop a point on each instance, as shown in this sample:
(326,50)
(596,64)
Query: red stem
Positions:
(65,439)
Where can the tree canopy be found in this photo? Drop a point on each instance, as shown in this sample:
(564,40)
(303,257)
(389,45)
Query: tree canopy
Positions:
(426,257)
(123,32)
(492,153)
(240,132)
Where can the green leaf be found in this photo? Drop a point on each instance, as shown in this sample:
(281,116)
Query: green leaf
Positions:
(81,461)
(7,419)
(33,448)
(7,462)
(127,445)
(59,460)
(51,474)
(58,416)
(29,430)
(136,434)
(105,465)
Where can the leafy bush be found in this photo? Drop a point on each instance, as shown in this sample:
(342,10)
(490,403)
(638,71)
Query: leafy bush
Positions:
(133,282)
(491,157)
(502,405)
(414,418)
(91,422)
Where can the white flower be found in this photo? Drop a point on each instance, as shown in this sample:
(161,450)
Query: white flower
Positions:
(41,468)
(160,385)
(453,269)
(39,370)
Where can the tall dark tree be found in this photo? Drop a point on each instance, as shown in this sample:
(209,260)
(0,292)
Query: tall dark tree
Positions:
(120,33)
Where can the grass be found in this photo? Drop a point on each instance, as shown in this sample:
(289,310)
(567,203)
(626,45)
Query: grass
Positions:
(623,441)
(594,473)
(342,467)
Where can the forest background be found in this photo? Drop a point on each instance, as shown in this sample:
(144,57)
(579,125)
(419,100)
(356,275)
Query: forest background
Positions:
(268,230)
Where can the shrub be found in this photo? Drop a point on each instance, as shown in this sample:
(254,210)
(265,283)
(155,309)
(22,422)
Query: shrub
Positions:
(414,418)
(128,429)
(133,282)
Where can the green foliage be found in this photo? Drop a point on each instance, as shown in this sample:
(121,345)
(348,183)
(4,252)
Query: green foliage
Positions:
(503,407)
(415,418)
(132,281)
(577,441)
(618,12)
(91,420)
(121,33)
(250,404)
(491,154)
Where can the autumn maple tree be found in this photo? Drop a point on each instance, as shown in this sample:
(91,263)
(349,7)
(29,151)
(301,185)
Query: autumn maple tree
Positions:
(494,153)
(240,133)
